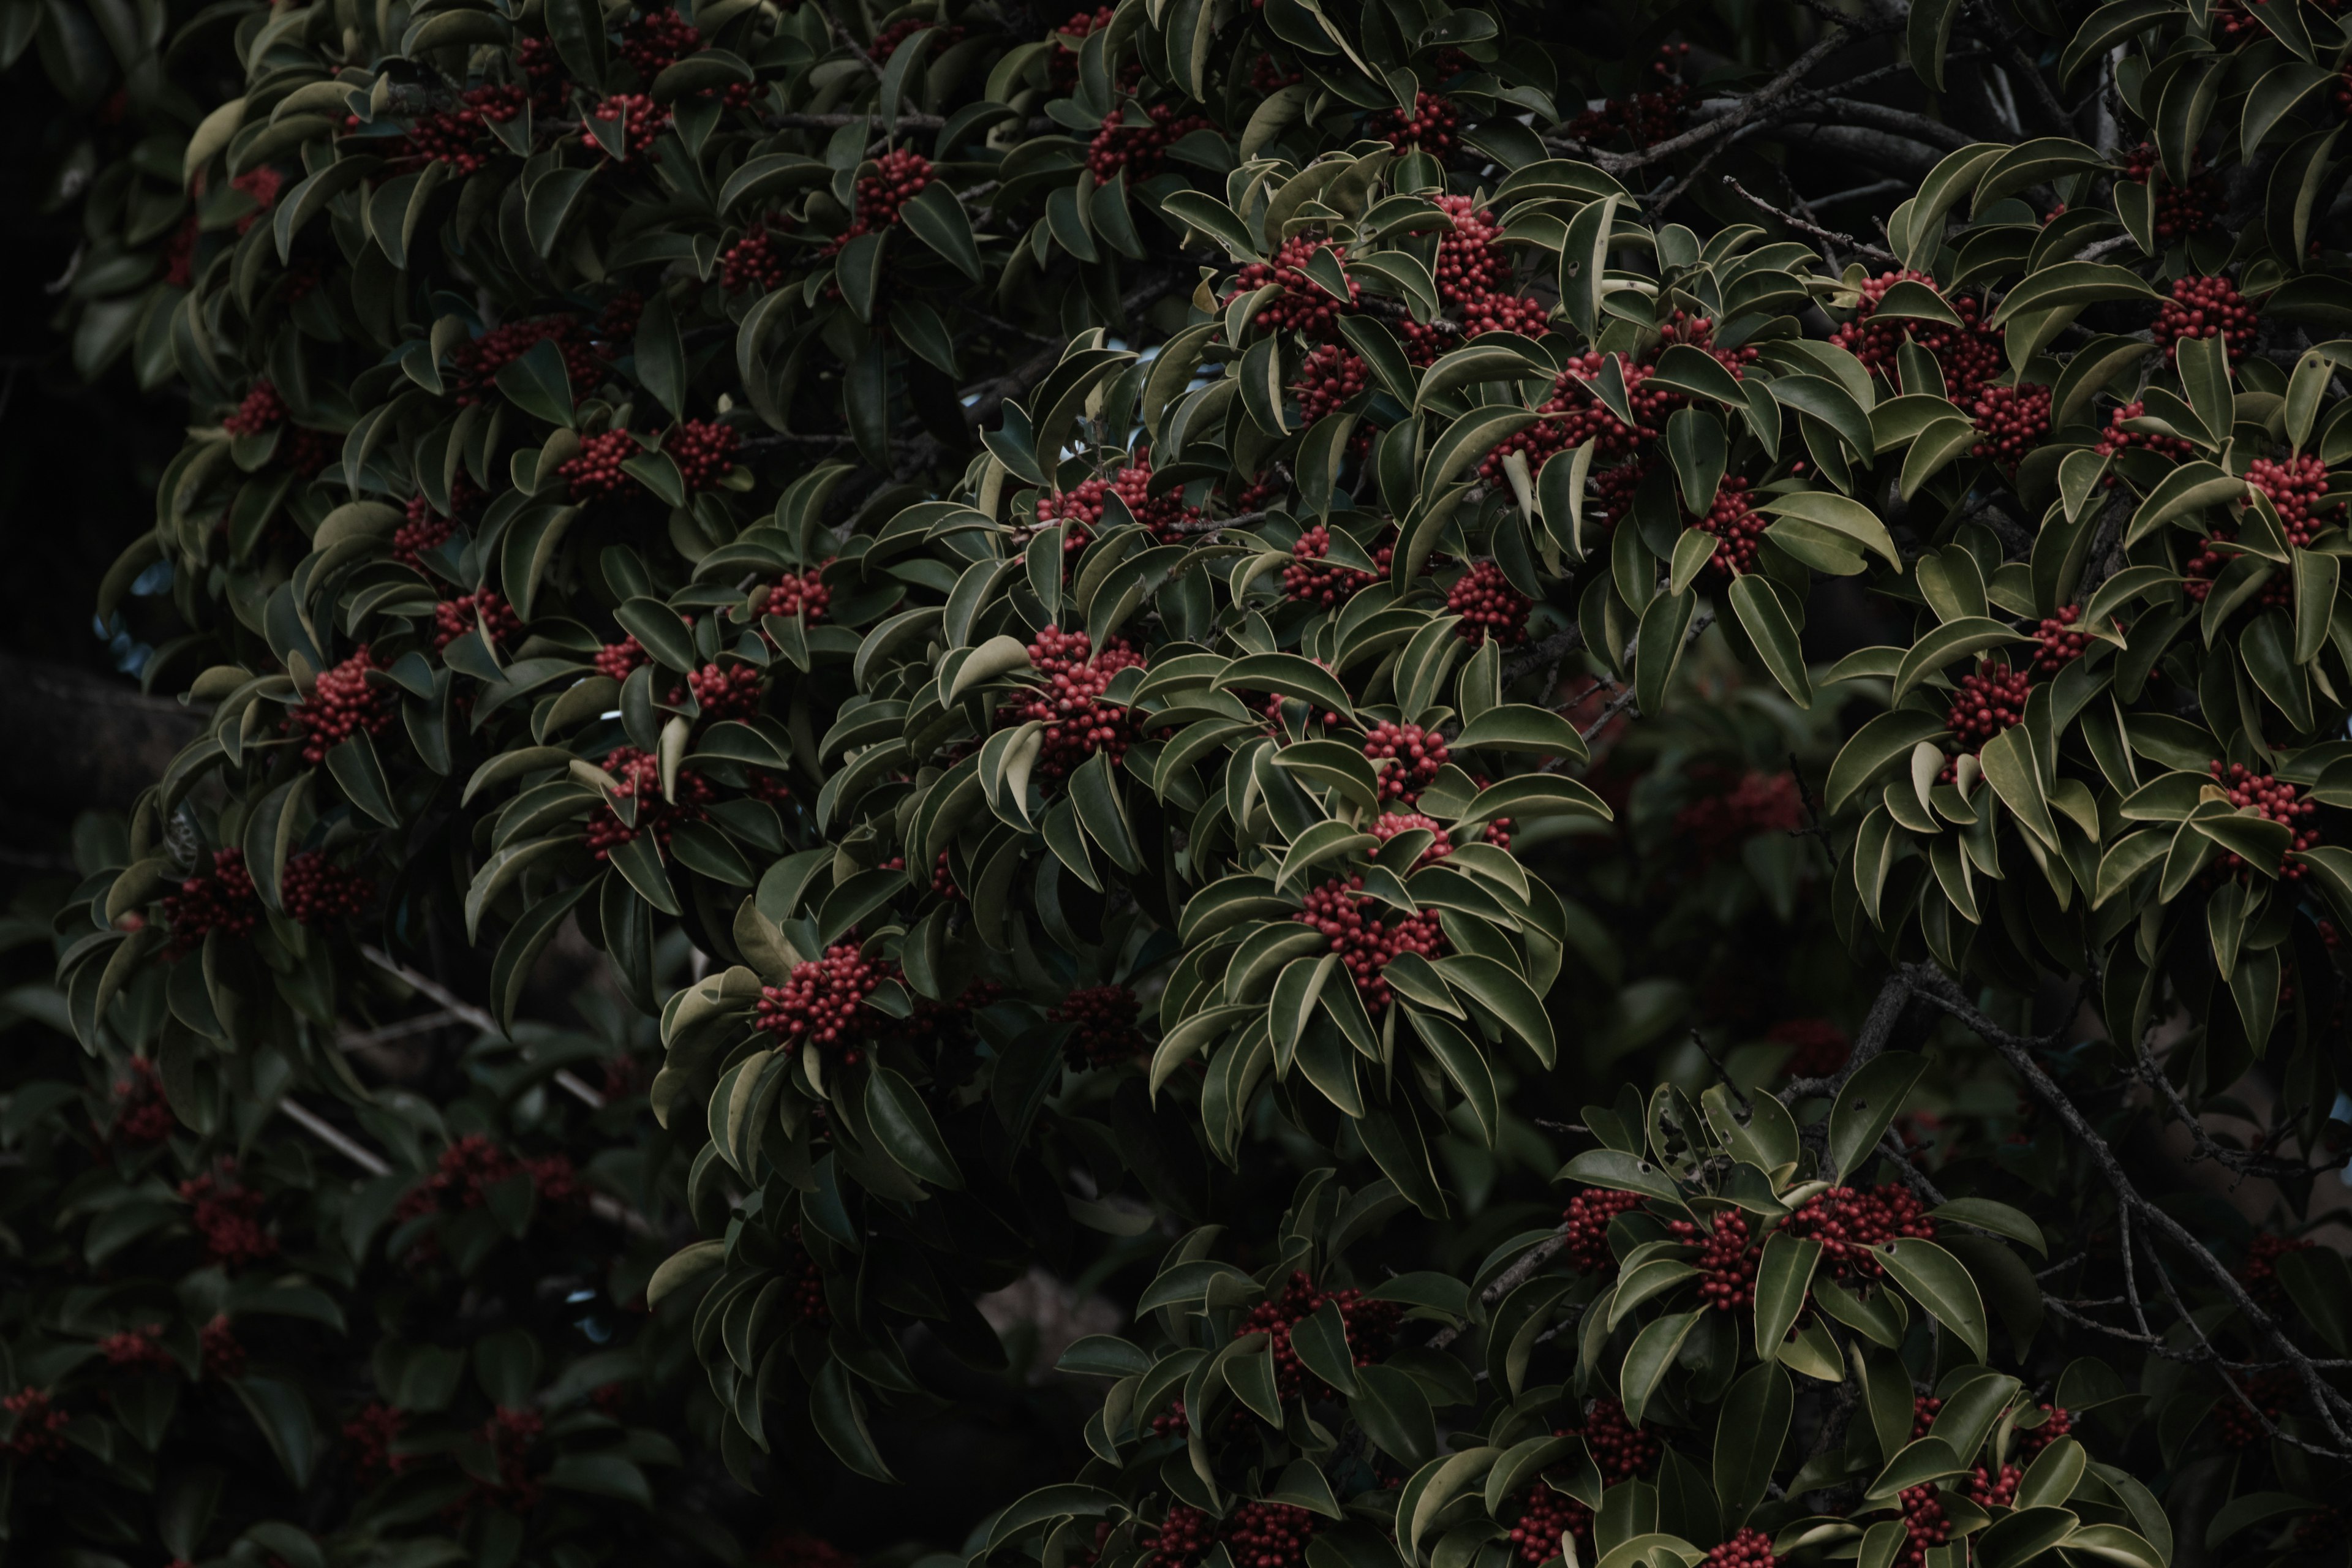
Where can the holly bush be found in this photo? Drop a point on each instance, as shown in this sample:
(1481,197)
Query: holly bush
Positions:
(1234,649)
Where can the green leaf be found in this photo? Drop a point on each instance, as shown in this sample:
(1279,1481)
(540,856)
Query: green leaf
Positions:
(1777,641)
(2072,284)
(285,1418)
(1504,994)
(1936,1282)
(1999,1218)
(838,1411)
(1288,675)
(1841,514)
(2024,1536)
(903,1123)
(1865,1107)
(661,355)
(359,774)
(601,1474)
(1521,727)
(1650,1357)
(537,382)
(1749,1436)
(1615,1170)
(1784,1274)
(1927,1460)
(1928,33)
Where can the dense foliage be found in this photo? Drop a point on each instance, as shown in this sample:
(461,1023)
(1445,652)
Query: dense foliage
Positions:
(1199,648)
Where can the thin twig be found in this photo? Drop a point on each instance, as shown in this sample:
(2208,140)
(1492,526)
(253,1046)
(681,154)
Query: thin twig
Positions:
(1860,247)
(466,1013)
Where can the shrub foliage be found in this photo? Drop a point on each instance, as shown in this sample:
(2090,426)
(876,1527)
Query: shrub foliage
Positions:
(1162,601)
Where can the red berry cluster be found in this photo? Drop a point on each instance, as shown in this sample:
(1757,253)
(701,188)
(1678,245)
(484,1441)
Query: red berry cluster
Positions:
(217,1341)
(638,116)
(2203,569)
(1990,1490)
(2273,799)
(1370,1325)
(479,362)
(1083,504)
(755,264)
(2259,1272)
(1269,76)
(1545,1520)
(1967,355)
(1366,944)
(1757,803)
(136,1348)
(1574,414)
(1924,1408)
(1727,1260)
(1102,1020)
(456,136)
(2204,306)
(1849,1221)
(704,451)
(886,41)
(1305,582)
(141,1116)
(1415,755)
(798,1549)
(822,1002)
(595,470)
(2116,438)
(1619,1449)
(2180,210)
(1062,62)
(1179,1540)
(1488,605)
(1587,1215)
(1141,150)
(807,1303)
(488,611)
(228,1217)
(1748,1549)
(1645,118)
(225,901)
(1740,527)
(2268,1391)
(424,532)
(513,1434)
(373,1435)
(1817,1048)
(462,1178)
(2294,488)
(803,593)
(2056,1423)
(2062,639)
(1388,824)
(723,691)
(900,176)
(639,777)
(1433,126)
(261,411)
(1924,1523)
(1470,262)
(1269,1535)
(1077,722)
(1988,702)
(1302,307)
(38,1430)
(618,658)
(2012,421)
(1331,374)
(656,40)
(315,890)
